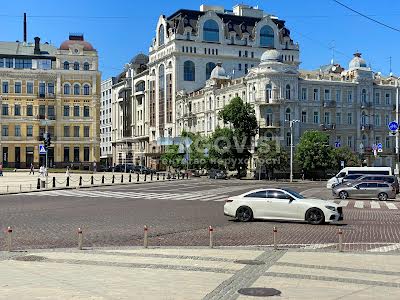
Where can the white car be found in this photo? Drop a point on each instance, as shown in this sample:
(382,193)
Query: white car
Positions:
(281,204)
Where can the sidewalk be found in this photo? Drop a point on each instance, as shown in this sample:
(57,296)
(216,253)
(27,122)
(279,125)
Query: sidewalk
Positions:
(196,273)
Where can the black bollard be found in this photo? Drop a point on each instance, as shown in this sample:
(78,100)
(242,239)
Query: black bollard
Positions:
(145,175)
(138,177)
(67,181)
(102,179)
(38,184)
(122,178)
(54,182)
(158,176)
(178,175)
(151,176)
(130,177)
(113,179)
(80,180)
(92,180)
(163,177)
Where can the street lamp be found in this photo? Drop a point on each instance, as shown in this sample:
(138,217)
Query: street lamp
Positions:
(291,147)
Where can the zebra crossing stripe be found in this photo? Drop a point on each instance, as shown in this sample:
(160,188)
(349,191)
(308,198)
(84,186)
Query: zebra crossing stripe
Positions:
(385,248)
(359,204)
(343,203)
(375,204)
(215,198)
(391,205)
(317,246)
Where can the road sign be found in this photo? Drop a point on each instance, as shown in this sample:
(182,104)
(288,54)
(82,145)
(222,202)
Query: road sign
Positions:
(380,146)
(342,163)
(374,147)
(337,144)
(393,126)
(380,150)
(42,149)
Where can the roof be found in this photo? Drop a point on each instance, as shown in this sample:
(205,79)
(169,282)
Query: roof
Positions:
(26,49)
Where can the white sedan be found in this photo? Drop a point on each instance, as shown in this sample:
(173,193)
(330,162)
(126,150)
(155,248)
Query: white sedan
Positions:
(281,204)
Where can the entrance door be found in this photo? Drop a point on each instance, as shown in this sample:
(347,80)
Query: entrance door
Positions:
(29,156)
(17,157)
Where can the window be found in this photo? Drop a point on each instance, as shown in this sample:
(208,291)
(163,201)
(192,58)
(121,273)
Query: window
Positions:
(338,118)
(259,194)
(1,62)
(211,31)
(66,65)
(161,35)
(304,117)
(29,110)
(29,87)
(4,109)
(76,111)
(4,130)
(42,111)
(86,89)
(377,97)
(303,93)
(17,110)
(76,66)
(387,142)
(240,67)
(50,88)
(23,63)
(86,66)
(51,111)
(278,195)
(66,131)
(5,87)
(9,63)
(67,89)
(327,118)
(288,115)
(287,91)
(188,71)
(268,117)
(387,119)
(77,89)
(363,118)
(86,111)
(338,95)
(377,120)
(246,53)
(86,131)
(66,154)
(29,130)
(17,87)
(349,97)
(316,94)
(209,67)
(76,154)
(86,152)
(387,99)
(350,142)
(17,130)
(350,118)
(268,92)
(66,111)
(363,96)
(327,95)
(316,117)
(42,89)
(76,131)
(267,37)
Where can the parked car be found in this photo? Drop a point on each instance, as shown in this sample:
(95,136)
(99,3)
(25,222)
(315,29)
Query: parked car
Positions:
(216,174)
(281,204)
(368,189)
(121,168)
(384,178)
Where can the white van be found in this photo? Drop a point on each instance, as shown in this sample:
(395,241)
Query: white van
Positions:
(357,170)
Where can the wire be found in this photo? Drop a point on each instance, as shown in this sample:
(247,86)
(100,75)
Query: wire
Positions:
(367,17)
(68,17)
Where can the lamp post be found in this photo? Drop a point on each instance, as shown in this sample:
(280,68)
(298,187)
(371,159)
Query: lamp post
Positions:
(291,147)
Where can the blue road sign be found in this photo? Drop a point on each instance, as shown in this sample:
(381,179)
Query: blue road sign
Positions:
(380,146)
(42,149)
(337,144)
(393,126)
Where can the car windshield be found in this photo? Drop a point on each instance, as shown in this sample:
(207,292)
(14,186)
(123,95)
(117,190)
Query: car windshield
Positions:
(295,194)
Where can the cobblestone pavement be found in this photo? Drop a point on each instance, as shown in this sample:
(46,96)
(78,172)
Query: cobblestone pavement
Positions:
(196,273)
(178,214)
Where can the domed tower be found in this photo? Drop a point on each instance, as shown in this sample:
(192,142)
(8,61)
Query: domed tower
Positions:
(358,62)
(218,76)
(358,69)
(139,63)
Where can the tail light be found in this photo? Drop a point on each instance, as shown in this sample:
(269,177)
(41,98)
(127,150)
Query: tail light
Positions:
(228,200)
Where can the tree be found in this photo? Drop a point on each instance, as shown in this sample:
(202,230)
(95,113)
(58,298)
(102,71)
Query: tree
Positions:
(314,154)
(345,154)
(241,117)
(172,157)
(272,156)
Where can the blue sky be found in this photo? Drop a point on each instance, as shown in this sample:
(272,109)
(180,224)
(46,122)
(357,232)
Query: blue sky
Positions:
(120,29)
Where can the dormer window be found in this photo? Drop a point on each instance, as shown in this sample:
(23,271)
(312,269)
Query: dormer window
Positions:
(161,35)
(267,37)
(211,31)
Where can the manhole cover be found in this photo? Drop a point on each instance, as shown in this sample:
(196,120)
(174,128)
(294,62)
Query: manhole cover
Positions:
(259,292)
(30,258)
(250,262)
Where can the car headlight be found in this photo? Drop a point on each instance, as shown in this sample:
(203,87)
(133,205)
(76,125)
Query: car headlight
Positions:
(331,208)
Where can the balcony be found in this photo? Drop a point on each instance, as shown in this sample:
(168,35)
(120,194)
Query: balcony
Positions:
(328,127)
(366,127)
(272,101)
(330,104)
(365,105)
(46,96)
(269,125)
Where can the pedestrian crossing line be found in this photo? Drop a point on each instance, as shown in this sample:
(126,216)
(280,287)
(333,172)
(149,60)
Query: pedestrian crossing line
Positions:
(385,248)
(359,204)
(375,204)
(391,205)
(216,198)
(317,246)
(343,203)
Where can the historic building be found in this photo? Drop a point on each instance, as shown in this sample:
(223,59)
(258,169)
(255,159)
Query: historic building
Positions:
(45,88)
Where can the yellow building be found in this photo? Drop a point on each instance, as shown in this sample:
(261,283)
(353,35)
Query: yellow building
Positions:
(45,88)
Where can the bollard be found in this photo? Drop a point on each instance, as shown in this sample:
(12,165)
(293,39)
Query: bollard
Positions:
(80,180)
(151,176)
(146,238)
(113,179)
(158,176)
(163,178)
(80,238)
(130,177)
(187,175)
(178,175)
(145,175)
(122,178)
(9,239)
(67,181)
(138,177)
(54,182)
(38,184)
(340,245)
(102,179)
(30,186)
(210,232)
(274,232)
(7,188)
(20,188)
(91,180)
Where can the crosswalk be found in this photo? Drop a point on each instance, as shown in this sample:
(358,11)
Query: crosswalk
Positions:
(366,204)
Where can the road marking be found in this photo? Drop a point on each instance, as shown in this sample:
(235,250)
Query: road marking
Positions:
(359,204)
(375,204)
(216,198)
(390,205)
(317,246)
(385,248)
(344,203)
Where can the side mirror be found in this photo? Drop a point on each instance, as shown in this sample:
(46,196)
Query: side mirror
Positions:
(291,200)
(357,187)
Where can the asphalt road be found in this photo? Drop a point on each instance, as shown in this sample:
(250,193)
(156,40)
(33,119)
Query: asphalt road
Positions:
(179,213)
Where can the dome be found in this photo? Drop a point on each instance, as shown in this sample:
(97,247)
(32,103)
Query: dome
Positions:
(271,55)
(218,72)
(140,59)
(76,39)
(357,62)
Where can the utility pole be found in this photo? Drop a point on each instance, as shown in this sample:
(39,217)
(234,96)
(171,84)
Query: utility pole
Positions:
(291,148)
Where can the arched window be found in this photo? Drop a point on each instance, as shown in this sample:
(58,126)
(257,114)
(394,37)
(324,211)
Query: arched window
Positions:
(76,66)
(67,89)
(188,71)
(364,96)
(209,67)
(268,92)
(363,118)
(268,135)
(268,117)
(77,89)
(86,89)
(86,66)
(287,91)
(267,36)
(66,65)
(211,31)
(288,115)
(161,35)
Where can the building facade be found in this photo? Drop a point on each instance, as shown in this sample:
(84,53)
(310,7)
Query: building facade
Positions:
(106,154)
(49,89)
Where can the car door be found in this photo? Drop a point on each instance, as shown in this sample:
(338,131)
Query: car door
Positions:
(258,203)
(360,191)
(282,205)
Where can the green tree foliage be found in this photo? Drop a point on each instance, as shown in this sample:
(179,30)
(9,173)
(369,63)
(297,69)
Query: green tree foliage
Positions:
(272,156)
(345,154)
(171,157)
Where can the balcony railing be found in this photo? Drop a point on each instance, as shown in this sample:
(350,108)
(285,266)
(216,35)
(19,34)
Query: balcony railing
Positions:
(366,127)
(366,105)
(325,127)
(46,95)
(269,101)
(330,104)
(264,124)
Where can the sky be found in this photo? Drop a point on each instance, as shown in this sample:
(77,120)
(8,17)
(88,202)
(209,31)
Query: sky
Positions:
(121,29)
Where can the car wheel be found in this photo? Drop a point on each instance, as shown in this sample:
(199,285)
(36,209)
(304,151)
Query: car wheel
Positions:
(382,196)
(343,195)
(315,216)
(244,214)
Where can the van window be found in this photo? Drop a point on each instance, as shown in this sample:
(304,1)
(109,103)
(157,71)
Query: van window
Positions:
(382,185)
(369,172)
(372,185)
(340,175)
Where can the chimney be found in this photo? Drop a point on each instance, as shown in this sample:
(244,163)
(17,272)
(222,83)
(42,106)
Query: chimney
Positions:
(37,45)
(25,38)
